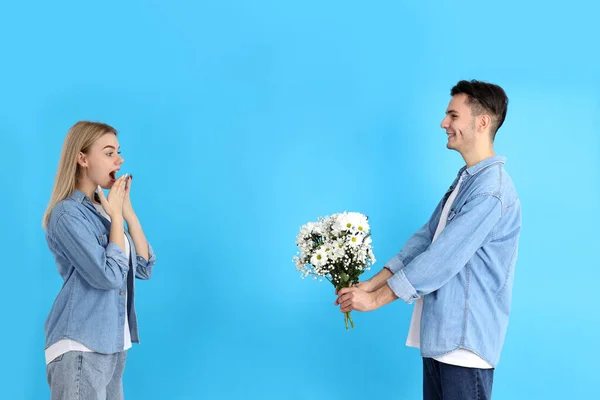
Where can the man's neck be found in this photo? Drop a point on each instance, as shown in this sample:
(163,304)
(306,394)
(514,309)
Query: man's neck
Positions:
(476,156)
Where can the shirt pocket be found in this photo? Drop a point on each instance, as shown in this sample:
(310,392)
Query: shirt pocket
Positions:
(451,215)
(103,240)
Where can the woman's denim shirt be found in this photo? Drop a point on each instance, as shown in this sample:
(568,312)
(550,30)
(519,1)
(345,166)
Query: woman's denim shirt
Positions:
(90,307)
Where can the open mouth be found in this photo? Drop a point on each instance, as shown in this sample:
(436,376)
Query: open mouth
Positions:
(113,176)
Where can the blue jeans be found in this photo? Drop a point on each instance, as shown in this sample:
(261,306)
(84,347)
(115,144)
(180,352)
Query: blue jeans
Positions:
(79,375)
(451,382)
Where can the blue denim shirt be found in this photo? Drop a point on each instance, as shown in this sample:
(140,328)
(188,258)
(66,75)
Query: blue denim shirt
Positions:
(90,308)
(466,275)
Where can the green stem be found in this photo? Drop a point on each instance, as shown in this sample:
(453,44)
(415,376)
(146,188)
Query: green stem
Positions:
(347,318)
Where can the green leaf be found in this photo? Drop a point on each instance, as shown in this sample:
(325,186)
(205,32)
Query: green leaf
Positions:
(344,277)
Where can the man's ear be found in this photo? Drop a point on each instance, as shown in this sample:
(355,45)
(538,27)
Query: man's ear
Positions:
(484,123)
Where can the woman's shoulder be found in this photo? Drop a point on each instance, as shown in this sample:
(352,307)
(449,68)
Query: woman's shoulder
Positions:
(67,209)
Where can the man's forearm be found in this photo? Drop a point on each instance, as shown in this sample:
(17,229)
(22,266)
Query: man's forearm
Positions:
(380,279)
(384,295)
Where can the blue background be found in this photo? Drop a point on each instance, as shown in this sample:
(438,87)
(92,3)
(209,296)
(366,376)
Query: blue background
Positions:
(241,121)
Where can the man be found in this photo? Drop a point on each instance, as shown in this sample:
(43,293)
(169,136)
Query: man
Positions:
(459,266)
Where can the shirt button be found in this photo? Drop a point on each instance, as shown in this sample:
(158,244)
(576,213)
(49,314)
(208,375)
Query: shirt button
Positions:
(121,293)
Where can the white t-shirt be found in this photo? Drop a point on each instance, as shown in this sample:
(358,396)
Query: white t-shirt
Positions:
(460,357)
(66,345)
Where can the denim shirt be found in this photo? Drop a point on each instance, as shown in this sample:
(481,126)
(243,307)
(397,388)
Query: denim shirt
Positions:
(90,308)
(466,276)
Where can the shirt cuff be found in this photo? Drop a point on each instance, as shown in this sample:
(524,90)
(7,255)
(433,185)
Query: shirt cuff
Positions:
(402,287)
(394,265)
(116,253)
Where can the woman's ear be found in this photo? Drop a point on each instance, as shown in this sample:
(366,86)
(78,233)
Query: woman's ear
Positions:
(82,160)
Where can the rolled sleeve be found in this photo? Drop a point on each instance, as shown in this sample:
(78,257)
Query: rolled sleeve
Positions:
(416,244)
(103,268)
(451,251)
(402,287)
(395,264)
(145,267)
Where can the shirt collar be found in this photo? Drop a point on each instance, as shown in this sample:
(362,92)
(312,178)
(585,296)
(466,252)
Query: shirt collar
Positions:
(80,197)
(482,165)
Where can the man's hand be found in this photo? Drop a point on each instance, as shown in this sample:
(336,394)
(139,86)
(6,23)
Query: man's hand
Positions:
(368,295)
(355,298)
(367,286)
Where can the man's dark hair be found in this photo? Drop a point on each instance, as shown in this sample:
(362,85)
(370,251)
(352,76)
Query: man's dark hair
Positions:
(484,97)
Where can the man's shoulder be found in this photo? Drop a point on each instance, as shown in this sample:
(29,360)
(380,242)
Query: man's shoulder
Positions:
(494,181)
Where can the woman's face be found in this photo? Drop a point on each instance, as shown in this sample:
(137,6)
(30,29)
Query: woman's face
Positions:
(103,161)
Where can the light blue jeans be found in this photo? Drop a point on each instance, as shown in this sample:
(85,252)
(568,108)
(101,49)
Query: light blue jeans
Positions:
(79,375)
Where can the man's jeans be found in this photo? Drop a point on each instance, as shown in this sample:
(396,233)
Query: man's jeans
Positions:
(451,382)
(86,376)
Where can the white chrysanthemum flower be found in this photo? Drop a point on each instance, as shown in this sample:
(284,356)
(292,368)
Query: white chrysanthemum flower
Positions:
(328,248)
(318,229)
(354,240)
(311,228)
(319,259)
(334,247)
(342,223)
(305,231)
(358,222)
(352,222)
(338,253)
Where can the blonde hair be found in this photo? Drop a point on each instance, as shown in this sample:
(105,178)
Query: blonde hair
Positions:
(79,139)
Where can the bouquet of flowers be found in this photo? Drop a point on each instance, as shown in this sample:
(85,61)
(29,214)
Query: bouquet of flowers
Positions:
(338,248)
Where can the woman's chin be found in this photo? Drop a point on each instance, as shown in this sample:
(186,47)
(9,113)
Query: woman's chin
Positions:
(107,185)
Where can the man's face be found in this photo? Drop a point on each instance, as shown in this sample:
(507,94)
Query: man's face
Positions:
(459,124)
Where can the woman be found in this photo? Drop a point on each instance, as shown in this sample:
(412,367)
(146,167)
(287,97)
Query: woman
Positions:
(92,322)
